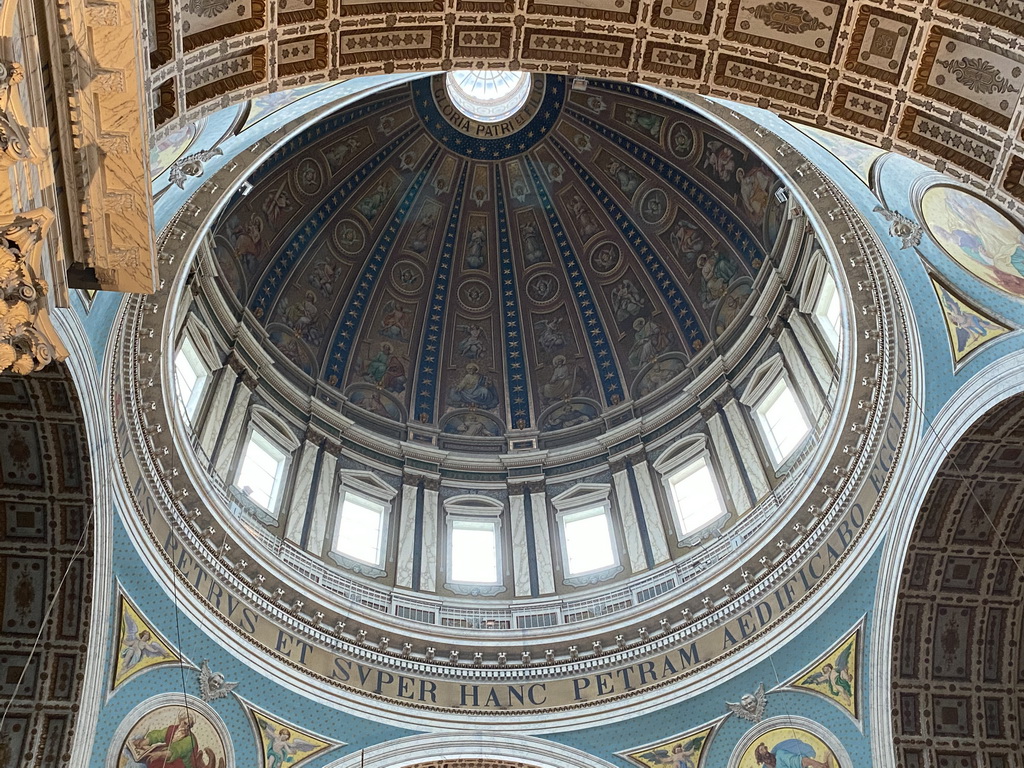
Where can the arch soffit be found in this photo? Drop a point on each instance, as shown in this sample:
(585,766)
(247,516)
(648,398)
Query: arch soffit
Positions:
(983,392)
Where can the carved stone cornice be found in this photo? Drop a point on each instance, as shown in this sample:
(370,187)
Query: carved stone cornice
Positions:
(98,67)
(28,340)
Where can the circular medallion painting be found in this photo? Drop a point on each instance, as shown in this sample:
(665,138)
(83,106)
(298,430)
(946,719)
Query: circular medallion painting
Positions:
(977,236)
(542,288)
(309,177)
(171,736)
(349,236)
(788,748)
(605,258)
(407,277)
(474,294)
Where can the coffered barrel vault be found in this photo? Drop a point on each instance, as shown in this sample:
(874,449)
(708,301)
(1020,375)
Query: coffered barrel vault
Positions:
(939,80)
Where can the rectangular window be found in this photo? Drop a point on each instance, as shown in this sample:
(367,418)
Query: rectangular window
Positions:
(474,550)
(828,311)
(783,421)
(695,496)
(190,375)
(260,471)
(360,529)
(588,541)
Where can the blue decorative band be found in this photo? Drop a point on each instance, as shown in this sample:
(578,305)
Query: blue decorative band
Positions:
(731,228)
(352,316)
(273,279)
(426,379)
(686,319)
(611,383)
(515,362)
(488,141)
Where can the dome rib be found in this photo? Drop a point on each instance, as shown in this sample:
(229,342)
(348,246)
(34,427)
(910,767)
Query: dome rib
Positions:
(431,353)
(516,366)
(609,377)
(335,365)
(369,215)
(262,300)
(714,211)
(662,279)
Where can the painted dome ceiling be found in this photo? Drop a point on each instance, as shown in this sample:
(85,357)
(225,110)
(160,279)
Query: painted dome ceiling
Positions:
(409,264)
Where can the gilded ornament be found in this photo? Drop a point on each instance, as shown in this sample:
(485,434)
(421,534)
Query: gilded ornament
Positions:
(978,75)
(785,17)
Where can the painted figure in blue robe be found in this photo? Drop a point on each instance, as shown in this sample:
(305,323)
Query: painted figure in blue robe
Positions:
(473,389)
(386,370)
(789,753)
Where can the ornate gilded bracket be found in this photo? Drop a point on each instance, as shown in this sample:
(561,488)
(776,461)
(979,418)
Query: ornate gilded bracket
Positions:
(28,340)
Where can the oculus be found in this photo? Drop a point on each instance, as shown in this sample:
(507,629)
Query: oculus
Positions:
(488,96)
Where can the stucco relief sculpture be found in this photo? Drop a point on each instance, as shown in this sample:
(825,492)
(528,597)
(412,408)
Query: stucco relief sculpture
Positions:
(212,685)
(751,706)
(192,166)
(28,340)
(14,137)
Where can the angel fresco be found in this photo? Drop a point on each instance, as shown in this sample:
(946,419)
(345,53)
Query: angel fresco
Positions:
(476,248)
(683,754)
(394,321)
(835,677)
(561,383)
(585,220)
(979,237)
(422,231)
(549,335)
(323,275)
(301,315)
(247,239)
(686,239)
(473,344)
(627,179)
(277,204)
(533,246)
(649,339)
(627,301)
(645,122)
(967,329)
(283,746)
(136,646)
(721,159)
(754,186)
(370,205)
(337,153)
(716,272)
